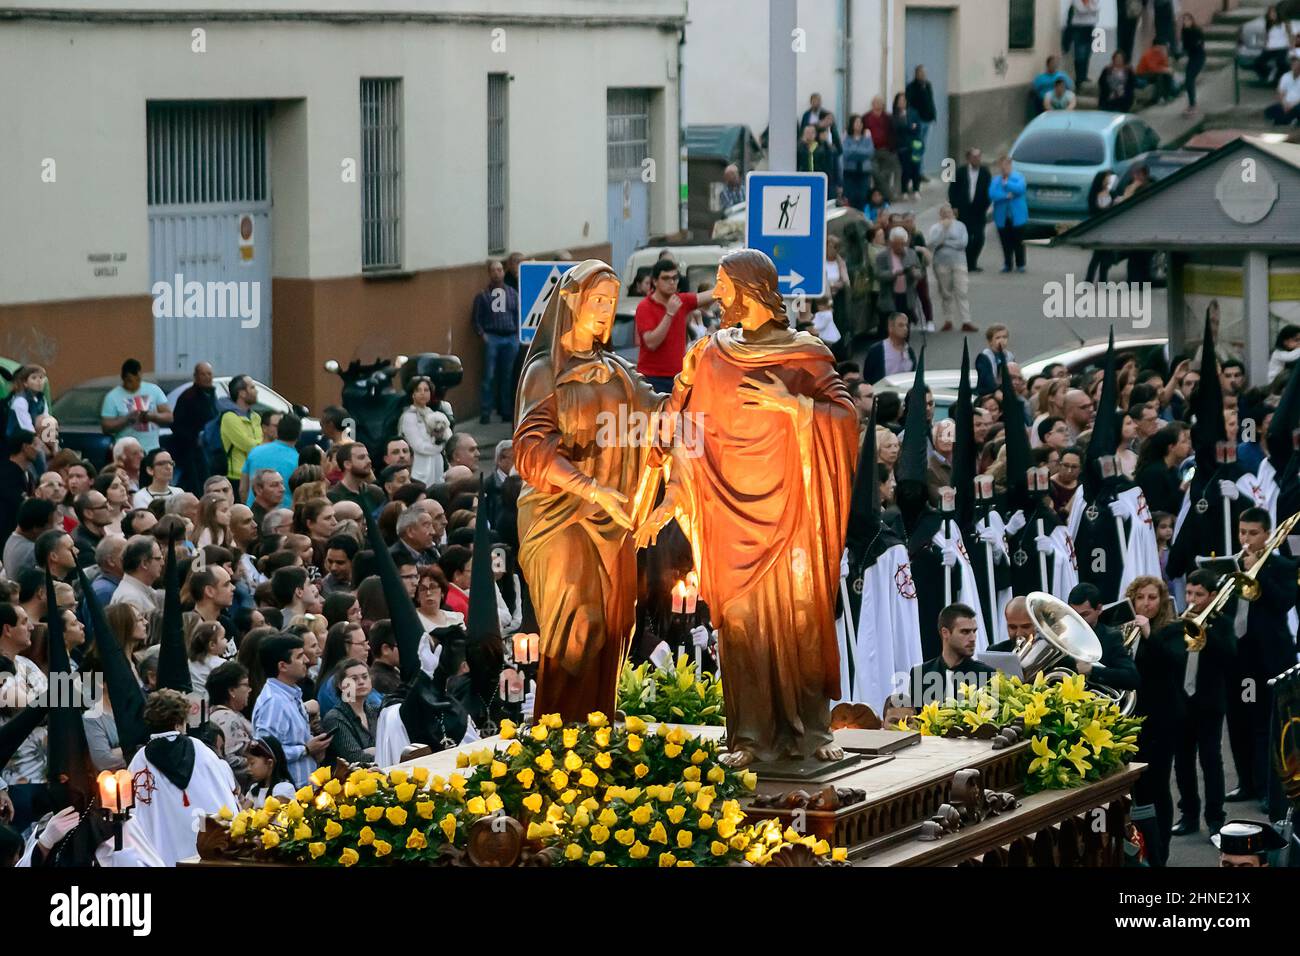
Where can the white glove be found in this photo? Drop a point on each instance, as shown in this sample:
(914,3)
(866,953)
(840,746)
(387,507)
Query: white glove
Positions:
(844,564)
(1016,523)
(60,825)
(529,699)
(1045,544)
(989,535)
(700,636)
(949,553)
(662,656)
(1118,510)
(1229,489)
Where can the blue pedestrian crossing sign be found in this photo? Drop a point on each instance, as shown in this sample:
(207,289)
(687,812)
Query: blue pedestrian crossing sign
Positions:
(536,282)
(786,218)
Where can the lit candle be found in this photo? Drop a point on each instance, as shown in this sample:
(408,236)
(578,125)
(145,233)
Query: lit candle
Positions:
(679,596)
(520,648)
(116,793)
(984,487)
(1226,452)
(534,655)
(692,591)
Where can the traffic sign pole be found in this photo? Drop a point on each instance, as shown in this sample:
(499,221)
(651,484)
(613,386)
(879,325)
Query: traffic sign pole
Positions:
(782,85)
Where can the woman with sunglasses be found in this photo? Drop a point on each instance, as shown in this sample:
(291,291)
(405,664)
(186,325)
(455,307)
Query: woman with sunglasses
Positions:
(269,772)
(344,641)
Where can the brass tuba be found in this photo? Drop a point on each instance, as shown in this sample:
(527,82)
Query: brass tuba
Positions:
(1061,632)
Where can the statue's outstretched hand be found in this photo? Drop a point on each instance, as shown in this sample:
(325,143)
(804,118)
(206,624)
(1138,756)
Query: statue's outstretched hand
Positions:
(612,503)
(648,533)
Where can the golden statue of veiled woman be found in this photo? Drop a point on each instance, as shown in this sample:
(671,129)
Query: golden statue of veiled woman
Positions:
(580,476)
(764,500)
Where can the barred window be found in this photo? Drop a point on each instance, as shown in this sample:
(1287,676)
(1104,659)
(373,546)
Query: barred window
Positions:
(627,132)
(1022,24)
(381,174)
(497,146)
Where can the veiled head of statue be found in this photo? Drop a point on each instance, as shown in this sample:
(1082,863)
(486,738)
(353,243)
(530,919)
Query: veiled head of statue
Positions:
(589,294)
(748,290)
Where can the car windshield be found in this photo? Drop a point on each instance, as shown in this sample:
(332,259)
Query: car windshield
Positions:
(80,406)
(1061,147)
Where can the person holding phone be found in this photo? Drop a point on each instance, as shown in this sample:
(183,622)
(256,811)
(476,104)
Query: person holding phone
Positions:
(279,711)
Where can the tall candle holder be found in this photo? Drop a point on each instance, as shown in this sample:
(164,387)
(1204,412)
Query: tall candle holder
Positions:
(116,798)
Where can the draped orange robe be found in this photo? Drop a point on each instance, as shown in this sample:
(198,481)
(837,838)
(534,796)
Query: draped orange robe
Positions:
(764,498)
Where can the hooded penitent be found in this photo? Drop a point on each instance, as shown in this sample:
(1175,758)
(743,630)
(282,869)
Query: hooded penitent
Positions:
(1096,533)
(71,775)
(963,480)
(1022,544)
(173,659)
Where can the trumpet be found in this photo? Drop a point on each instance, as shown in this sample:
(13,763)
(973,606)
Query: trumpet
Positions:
(1239,583)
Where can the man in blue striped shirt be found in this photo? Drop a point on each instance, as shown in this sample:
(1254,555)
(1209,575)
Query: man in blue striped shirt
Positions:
(279,711)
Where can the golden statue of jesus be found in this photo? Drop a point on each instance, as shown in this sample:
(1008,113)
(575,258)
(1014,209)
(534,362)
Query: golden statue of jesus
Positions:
(764,500)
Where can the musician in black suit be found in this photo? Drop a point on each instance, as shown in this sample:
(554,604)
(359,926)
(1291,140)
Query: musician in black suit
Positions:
(940,677)
(1265,648)
(1116,668)
(968,194)
(1161,664)
(1207,701)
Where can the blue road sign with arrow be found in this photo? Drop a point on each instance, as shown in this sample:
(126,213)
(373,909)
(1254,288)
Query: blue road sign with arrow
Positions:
(536,281)
(786,218)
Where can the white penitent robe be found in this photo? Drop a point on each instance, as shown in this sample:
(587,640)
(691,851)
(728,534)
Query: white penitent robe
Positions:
(1142,558)
(1261,489)
(967,591)
(889,634)
(169,818)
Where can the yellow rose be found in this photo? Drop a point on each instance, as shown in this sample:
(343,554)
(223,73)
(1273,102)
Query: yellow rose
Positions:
(270,838)
(685,863)
(633,743)
(315,849)
(448,827)
(717,849)
(373,814)
(662,730)
(603,760)
(382,848)
(420,775)
(667,859)
(840,854)
(260,819)
(684,839)
(705,822)
(570,737)
(365,837)
(293,810)
(540,732)
(498,769)
(302,832)
(481,757)
(602,737)
(541,831)
(487,788)
(634,725)
(691,773)
(367,787)
(271,805)
(572,761)
(821,848)
(625,837)
(739,841)
(597,858)
(476,806)
(657,833)
(349,856)
(667,792)
(704,801)
(319,776)
(404,791)
(554,721)
(607,817)
(640,770)
(716,775)
(347,811)
(437,784)
(749,779)
(641,815)
(332,829)
(676,813)
(508,728)
(416,841)
(515,749)
(559,780)
(424,809)
(599,834)
(533,802)
(494,803)
(462,760)
(568,796)
(726,828)
(581,818)
(456,782)
(398,777)
(545,760)
(638,850)
(303,795)
(591,804)
(573,852)
(672,750)
(699,757)
(597,719)
(587,778)
(396,816)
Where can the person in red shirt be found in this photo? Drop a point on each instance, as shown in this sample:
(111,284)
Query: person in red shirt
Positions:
(661,326)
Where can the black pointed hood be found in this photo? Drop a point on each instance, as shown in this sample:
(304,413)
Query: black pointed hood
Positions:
(963,451)
(1208,427)
(401,610)
(1017,444)
(1105,427)
(71,775)
(173,656)
(482,621)
(119,677)
(865,524)
(913,457)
